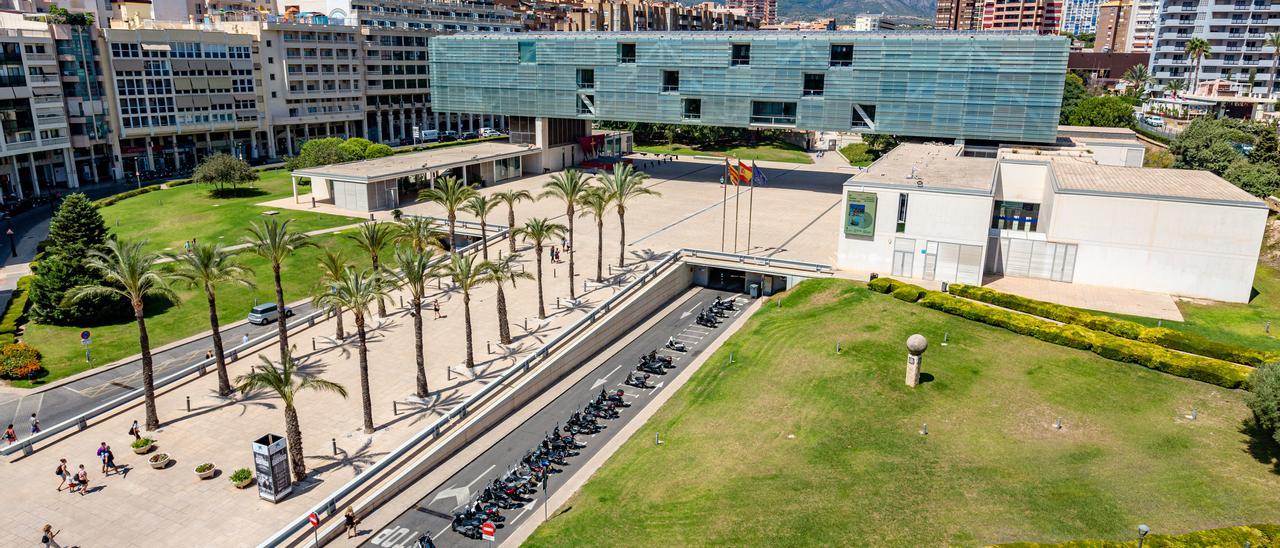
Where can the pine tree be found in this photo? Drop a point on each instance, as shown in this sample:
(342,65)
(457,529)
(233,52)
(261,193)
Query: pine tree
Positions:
(77,229)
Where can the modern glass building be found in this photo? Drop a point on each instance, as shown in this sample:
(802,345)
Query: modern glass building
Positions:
(987,86)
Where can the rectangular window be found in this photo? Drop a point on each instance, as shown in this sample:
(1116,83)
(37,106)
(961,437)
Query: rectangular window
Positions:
(692,109)
(528,52)
(773,113)
(741,55)
(585,104)
(586,78)
(1020,216)
(626,53)
(841,55)
(670,81)
(902,212)
(864,117)
(814,84)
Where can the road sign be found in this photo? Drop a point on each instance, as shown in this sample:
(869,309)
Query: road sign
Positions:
(487,530)
(84,334)
(314,519)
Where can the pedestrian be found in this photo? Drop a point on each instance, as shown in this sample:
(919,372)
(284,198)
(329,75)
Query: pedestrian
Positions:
(435,307)
(63,473)
(35,424)
(102,456)
(135,431)
(208,355)
(350,522)
(47,535)
(82,478)
(9,435)
(110,458)
(564,243)
(244,340)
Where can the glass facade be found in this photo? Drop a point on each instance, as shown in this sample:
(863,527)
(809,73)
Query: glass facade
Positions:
(980,86)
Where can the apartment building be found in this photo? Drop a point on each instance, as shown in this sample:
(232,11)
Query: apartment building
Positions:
(35,146)
(84,89)
(766,11)
(1041,16)
(958,15)
(871,22)
(1236,31)
(1142,26)
(1079,16)
(627,15)
(1113,26)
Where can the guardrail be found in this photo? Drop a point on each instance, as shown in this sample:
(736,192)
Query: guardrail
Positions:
(81,421)
(756,260)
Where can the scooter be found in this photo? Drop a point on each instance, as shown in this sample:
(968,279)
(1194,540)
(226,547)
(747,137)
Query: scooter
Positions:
(673,344)
(654,356)
(639,380)
(706,321)
(654,368)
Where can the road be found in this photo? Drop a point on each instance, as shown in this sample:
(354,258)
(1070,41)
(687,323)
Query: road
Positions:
(433,514)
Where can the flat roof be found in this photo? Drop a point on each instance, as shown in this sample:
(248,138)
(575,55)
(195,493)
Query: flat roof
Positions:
(930,166)
(752,35)
(1080,175)
(404,165)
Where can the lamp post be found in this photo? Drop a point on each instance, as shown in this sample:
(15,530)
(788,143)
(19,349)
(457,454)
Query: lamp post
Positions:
(1142,533)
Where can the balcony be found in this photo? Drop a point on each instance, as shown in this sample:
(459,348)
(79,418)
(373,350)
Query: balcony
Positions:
(35,79)
(39,57)
(47,100)
(55,141)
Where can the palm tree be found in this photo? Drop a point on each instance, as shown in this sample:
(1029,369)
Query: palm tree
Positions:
(511,198)
(1273,42)
(286,382)
(332,264)
(481,206)
(272,240)
(497,273)
(569,188)
(450,193)
(1197,49)
(596,203)
(467,274)
(372,238)
(130,272)
(539,231)
(623,184)
(1176,86)
(417,268)
(419,232)
(356,291)
(203,267)
(1137,76)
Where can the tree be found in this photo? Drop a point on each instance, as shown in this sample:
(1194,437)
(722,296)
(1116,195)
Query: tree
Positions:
(76,230)
(497,273)
(467,274)
(287,383)
(1106,111)
(225,173)
(1138,77)
(355,291)
(378,150)
(540,231)
(568,187)
(1210,145)
(1196,49)
(1263,398)
(1266,149)
(511,198)
(1175,86)
(596,203)
(1073,91)
(204,267)
(416,269)
(623,185)
(420,233)
(332,264)
(450,193)
(60,16)
(372,237)
(355,148)
(1258,179)
(132,273)
(274,241)
(481,206)
(1273,42)
(879,142)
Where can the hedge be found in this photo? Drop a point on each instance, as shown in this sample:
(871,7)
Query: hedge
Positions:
(1256,535)
(116,198)
(1168,338)
(16,309)
(1210,370)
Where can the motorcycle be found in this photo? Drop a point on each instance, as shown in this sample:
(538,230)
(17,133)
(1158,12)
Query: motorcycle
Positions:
(723,304)
(654,368)
(706,321)
(615,398)
(673,344)
(654,356)
(638,380)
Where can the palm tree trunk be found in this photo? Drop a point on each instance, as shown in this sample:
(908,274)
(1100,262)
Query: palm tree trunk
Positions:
(599,250)
(341,333)
(453,222)
(293,432)
(365,401)
(224,382)
(281,320)
(622,239)
(511,228)
(571,248)
(484,240)
(148,375)
(542,310)
(504,330)
(417,347)
(466,318)
(382,305)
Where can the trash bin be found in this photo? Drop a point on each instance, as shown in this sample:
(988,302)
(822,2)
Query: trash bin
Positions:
(754,291)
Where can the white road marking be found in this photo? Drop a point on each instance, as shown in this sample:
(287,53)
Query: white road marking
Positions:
(600,382)
(460,494)
(684,315)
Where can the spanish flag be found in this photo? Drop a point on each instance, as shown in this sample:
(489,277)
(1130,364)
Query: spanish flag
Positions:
(744,173)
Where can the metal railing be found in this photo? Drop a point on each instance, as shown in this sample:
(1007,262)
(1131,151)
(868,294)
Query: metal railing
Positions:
(81,421)
(756,260)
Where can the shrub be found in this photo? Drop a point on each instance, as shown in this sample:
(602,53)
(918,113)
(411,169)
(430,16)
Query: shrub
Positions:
(159,457)
(140,443)
(205,467)
(1263,398)
(19,361)
(111,200)
(883,285)
(909,293)
(178,182)
(240,475)
(17,309)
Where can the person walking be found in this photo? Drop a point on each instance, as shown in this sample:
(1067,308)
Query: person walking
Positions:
(244,340)
(82,478)
(435,307)
(350,523)
(9,435)
(110,457)
(63,473)
(135,431)
(47,534)
(102,456)
(35,424)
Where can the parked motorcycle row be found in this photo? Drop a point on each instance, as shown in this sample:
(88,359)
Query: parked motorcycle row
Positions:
(711,316)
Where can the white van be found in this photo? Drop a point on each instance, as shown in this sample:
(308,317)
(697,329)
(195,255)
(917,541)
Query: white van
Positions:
(430,135)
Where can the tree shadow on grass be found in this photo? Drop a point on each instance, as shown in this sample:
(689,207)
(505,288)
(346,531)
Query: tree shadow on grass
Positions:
(1261,445)
(237,192)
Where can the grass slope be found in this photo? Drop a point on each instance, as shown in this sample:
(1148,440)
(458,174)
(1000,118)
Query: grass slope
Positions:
(857,473)
(774,151)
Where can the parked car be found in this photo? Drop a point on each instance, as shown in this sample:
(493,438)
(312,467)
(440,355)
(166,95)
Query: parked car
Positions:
(266,313)
(448,136)
(490,132)
(1153,121)
(469,135)
(430,135)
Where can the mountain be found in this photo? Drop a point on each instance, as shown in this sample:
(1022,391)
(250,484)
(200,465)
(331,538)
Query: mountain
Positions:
(846,9)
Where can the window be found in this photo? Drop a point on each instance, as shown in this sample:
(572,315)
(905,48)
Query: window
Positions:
(586,104)
(864,117)
(814,84)
(692,109)
(626,53)
(773,113)
(586,78)
(741,55)
(528,52)
(841,55)
(670,81)
(902,212)
(1020,216)
(271,60)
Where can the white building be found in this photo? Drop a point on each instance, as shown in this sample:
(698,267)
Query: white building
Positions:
(1237,31)
(869,22)
(1079,16)
(1083,212)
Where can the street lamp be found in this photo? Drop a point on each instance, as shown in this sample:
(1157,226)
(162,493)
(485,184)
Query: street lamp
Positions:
(1142,533)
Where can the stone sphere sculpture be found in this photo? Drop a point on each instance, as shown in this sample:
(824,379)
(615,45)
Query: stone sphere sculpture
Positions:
(916,345)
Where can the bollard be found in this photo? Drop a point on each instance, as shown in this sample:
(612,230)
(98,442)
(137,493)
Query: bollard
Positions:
(313,343)
(188,404)
(924,429)
(395,408)
(945,336)
(526,324)
(334,441)
(657,438)
(553,273)
(731,357)
(402,301)
(488,346)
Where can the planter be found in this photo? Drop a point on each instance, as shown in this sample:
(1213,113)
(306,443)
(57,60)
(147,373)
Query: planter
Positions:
(243,484)
(159,461)
(144,449)
(207,473)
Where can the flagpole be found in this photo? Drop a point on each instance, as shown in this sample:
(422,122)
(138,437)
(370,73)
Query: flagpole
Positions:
(724,204)
(751,202)
(737,202)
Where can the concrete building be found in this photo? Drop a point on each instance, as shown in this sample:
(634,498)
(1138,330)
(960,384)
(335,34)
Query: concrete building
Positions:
(827,23)
(1236,31)
(1079,16)
(1114,20)
(1082,211)
(869,22)
(982,86)
(1040,16)
(629,15)
(958,15)
(766,11)
(35,143)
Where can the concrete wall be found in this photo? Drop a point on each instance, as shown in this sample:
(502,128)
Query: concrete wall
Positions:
(1190,249)
(931,216)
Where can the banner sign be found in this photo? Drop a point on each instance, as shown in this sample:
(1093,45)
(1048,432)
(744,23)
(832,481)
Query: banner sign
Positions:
(860,214)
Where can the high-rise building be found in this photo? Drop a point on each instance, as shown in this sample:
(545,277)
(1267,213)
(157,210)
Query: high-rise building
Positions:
(1114,19)
(35,145)
(627,16)
(1237,33)
(1142,26)
(764,10)
(1079,16)
(958,15)
(1041,16)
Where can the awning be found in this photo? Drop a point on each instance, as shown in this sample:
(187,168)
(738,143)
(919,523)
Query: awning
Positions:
(195,64)
(246,97)
(181,84)
(156,47)
(217,64)
(128,64)
(220,83)
(202,100)
(242,65)
(184,101)
(179,64)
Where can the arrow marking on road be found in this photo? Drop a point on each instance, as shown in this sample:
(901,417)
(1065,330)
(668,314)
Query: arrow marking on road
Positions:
(684,315)
(657,386)
(461,494)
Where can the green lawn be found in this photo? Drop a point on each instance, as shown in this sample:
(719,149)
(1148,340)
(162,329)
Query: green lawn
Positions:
(774,151)
(63,355)
(167,218)
(794,445)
